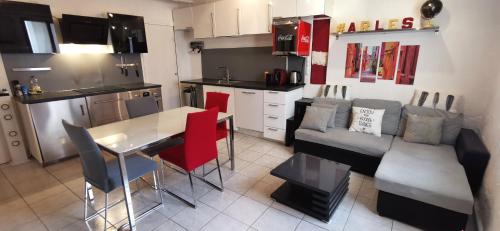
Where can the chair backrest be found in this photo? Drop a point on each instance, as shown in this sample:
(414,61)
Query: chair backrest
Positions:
(93,163)
(199,138)
(217,99)
(141,106)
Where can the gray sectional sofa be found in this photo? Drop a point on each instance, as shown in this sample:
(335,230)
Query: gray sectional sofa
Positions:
(429,186)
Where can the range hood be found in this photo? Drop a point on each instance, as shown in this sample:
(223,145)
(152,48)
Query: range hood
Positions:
(84,30)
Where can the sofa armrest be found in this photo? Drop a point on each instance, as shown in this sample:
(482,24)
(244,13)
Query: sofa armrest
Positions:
(473,156)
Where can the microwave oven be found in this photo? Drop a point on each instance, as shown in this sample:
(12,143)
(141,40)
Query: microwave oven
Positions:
(291,36)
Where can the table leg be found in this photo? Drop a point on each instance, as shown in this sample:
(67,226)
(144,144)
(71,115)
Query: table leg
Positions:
(231,136)
(126,190)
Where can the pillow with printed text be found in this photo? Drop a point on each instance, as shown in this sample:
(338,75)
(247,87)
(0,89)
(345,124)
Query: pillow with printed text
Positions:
(367,120)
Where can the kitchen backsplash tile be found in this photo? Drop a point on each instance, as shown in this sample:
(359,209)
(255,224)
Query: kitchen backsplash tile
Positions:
(70,71)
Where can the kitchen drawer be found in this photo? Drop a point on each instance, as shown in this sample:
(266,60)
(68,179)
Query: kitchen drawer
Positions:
(274,121)
(275,97)
(274,133)
(274,109)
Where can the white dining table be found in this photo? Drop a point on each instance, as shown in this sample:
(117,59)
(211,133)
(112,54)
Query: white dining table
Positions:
(130,136)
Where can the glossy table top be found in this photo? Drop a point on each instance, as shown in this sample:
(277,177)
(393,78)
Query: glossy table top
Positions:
(312,172)
(133,134)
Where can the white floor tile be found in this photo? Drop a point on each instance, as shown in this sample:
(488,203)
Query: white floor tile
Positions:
(195,219)
(223,222)
(336,223)
(306,226)
(240,183)
(245,210)
(275,220)
(169,225)
(261,192)
(287,209)
(220,200)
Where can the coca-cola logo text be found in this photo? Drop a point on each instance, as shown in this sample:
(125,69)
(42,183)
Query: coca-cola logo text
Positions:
(287,37)
(305,39)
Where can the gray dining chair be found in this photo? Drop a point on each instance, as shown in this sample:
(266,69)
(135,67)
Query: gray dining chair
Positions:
(144,106)
(141,106)
(105,175)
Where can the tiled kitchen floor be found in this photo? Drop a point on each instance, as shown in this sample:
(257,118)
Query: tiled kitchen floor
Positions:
(33,198)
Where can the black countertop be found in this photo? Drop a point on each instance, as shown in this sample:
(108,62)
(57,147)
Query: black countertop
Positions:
(71,94)
(244,84)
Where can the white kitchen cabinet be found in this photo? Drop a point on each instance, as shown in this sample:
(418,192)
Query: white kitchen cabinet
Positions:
(278,107)
(230,102)
(226,18)
(203,20)
(255,17)
(249,108)
(284,8)
(314,7)
(183,18)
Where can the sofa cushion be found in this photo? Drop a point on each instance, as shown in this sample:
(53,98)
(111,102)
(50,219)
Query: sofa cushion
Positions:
(423,129)
(317,118)
(331,121)
(452,123)
(426,173)
(343,110)
(390,122)
(353,141)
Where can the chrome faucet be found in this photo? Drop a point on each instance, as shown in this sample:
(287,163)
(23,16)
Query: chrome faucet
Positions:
(227,75)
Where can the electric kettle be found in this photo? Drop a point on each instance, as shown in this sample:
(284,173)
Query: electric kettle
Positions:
(295,77)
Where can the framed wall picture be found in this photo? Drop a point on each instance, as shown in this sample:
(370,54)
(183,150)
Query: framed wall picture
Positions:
(408,58)
(353,60)
(388,59)
(369,63)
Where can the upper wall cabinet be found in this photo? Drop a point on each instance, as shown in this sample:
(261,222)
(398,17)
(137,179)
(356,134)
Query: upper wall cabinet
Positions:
(128,33)
(314,7)
(255,17)
(26,28)
(203,20)
(244,17)
(226,18)
(183,18)
(301,8)
(284,8)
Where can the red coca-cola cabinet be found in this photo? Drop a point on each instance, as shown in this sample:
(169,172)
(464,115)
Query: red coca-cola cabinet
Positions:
(291,36)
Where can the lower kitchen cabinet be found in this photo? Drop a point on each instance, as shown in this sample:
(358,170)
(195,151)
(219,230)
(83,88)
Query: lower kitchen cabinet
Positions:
(278,107)
(249,108)
(47,139)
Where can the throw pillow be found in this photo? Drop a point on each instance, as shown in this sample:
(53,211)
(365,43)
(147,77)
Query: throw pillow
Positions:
(331,122)
(343,110)
(367,120)
(316,118)
(452,123)
(423,129)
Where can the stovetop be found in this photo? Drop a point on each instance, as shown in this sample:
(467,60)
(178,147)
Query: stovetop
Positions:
(99,89)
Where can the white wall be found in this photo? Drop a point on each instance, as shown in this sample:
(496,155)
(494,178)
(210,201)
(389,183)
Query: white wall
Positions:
(489,200)
(460,59)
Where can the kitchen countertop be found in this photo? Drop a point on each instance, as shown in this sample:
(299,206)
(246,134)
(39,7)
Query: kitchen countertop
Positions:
(244,84)
(71,94)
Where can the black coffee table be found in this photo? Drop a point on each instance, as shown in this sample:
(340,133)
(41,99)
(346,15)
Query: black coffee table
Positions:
(314,186)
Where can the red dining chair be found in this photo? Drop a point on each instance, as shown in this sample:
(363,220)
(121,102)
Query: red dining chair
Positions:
(199,148)
(219,100)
